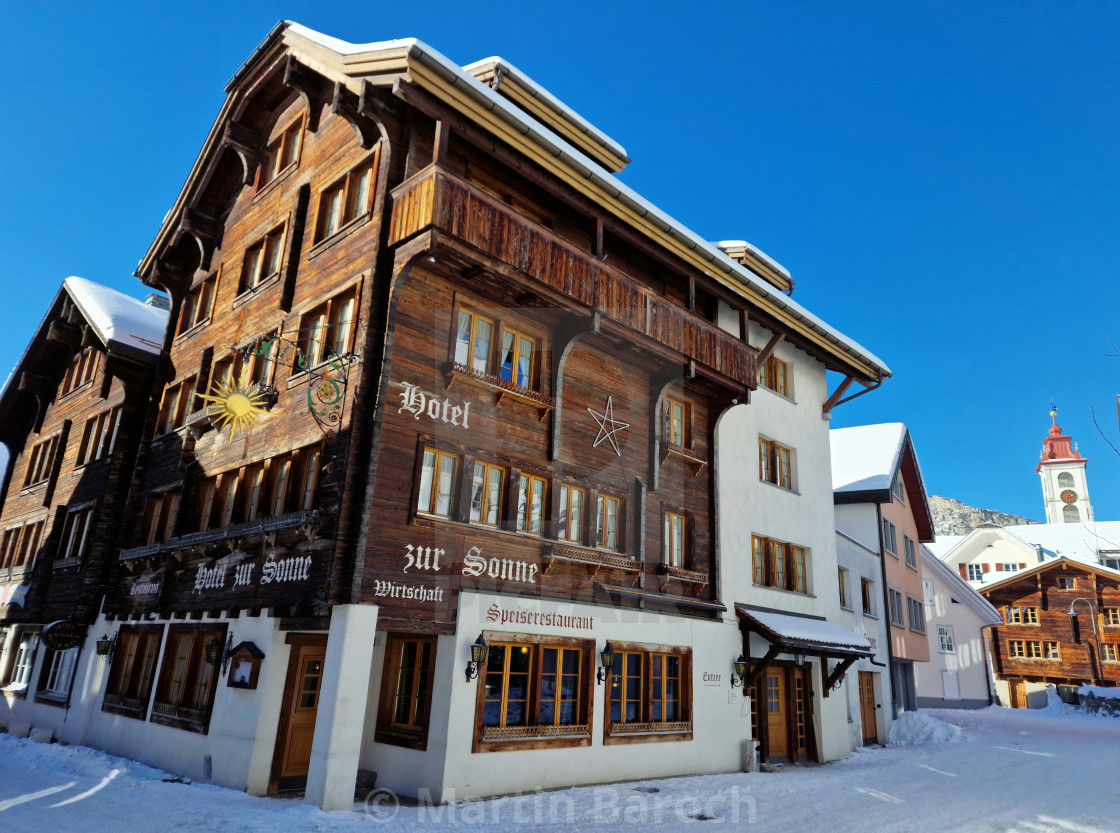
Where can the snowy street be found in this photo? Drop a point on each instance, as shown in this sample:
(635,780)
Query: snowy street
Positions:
(1008,771)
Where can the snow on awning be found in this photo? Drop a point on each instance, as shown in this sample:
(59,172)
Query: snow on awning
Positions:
(800,634)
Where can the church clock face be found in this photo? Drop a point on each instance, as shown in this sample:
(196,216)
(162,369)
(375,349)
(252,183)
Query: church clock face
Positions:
(1068,496)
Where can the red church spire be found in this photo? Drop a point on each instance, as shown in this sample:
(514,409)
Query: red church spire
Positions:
(1057,447)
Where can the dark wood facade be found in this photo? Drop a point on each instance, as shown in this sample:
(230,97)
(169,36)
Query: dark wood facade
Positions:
(1040,642)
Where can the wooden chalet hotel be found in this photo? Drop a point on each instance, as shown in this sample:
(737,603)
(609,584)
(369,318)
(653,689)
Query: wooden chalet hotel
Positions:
(434,422)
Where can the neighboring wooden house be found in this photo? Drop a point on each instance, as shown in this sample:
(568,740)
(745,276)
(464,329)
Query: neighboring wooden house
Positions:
(957,675)
(1060,626)
(880,496)
(435,375)
(70,415)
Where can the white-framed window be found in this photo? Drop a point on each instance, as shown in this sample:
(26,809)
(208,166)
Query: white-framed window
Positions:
(975,572)
(898,490)
(890,538)
(897,616)
(945,641)
(60,667)
(911,552)
(25,644)
(917,613)
(1011,568)
(930,593)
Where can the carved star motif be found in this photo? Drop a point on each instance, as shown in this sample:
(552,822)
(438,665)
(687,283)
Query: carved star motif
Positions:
(608,426)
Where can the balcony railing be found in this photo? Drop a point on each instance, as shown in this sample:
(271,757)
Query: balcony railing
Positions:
(435,198)
(276,523)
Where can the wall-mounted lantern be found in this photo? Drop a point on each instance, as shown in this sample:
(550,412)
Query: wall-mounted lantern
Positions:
(215,652)
(739,672)
(105,647)
(606,666)
(479,651)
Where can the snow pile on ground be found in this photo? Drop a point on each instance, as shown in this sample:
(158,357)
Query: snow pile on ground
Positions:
(1100,691)
(918,727)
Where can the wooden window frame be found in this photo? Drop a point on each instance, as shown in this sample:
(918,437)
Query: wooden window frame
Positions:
(534,734)
(528,520)
(671,554)
(602,504)
(566,530)
(186,678)
(433,496)
(286,149)
(99,437)
(1110,652)
(773,374)
(322,332)
(413,733)
(352,206)
(780,565)
(132,672)
(491,371)
(261,255)
(81,371)
(843,576)
(646,729)
(40,464)
(21,544)
(1066,583)
(253,364)
(775,463)
(682,436)
(175,406)
(160,515)
(1111,616)
(76,533)
(1016,649)
(867,596)
(517,338)
(491,501)
(198,305)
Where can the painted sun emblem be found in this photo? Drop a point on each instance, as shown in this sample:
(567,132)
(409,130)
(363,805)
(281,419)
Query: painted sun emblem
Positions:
(237,404)
(608,426)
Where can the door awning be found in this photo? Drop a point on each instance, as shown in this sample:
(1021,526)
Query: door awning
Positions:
(802,635)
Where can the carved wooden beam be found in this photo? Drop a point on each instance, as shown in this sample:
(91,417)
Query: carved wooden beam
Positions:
(766,352)
(311,87)
(65,333)
(755,673)
(867,389)
(830,403)
(245,143)
(345,103)
(205,231)
(837,673)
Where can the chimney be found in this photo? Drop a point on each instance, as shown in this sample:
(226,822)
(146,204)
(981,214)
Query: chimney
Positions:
(158,301)
(1038,550)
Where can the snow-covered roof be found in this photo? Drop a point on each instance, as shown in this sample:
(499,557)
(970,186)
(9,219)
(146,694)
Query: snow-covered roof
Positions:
(802,629)
(117,318)
(575,160)
(757,252)
(1008,578)
(1085,542)
(960,590)
(866,457)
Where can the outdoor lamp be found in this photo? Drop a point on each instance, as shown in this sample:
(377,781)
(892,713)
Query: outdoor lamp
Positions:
(606,663)
(215,652)
(478,655)
(105,647)
(739,675)
(799,658)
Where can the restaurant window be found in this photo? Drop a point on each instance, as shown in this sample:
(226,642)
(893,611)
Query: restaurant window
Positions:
(406,691)
(486,493)
(130,676)
(775,463)
(262,261)
(41,462)
(99,436)
(57,675)
(607,512)
(774,374)
(437,483)
(326,331)
(81,370)
(648,694)
(675,540)
(779,564)
(281,153)
(177,403)
(197,305)
(185,692)
(77,532)
(676,421)
(536,690)
(346,200)
(531,496)
(569,524)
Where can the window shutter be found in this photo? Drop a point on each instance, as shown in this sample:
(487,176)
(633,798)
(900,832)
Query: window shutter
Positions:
(985,568)
(999,568)
(1022,566)
(964,570)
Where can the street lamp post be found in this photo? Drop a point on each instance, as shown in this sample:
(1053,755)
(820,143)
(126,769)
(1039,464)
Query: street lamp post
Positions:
(1093,666)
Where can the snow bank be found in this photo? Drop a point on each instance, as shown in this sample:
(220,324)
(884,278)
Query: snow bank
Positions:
(916,727)
(1100,691)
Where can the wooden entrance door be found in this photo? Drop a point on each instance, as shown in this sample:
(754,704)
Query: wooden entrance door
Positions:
(297,715)
(867,707)
(1018,691)
(786,694)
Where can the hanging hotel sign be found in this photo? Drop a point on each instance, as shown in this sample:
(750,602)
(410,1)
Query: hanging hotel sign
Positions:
(63,635)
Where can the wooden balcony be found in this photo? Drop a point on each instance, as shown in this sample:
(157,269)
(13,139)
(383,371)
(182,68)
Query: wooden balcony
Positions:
(436,199)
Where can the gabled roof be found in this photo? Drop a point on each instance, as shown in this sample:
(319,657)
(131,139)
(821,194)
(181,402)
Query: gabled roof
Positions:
(959,589)
(1047,566)
(412,63)
(1086,541)
(865,461)
(120,322)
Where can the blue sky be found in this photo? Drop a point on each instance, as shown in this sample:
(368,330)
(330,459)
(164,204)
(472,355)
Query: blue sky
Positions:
(941,178)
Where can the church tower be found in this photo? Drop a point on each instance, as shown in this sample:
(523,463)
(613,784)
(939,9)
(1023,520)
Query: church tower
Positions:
(1065,491)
